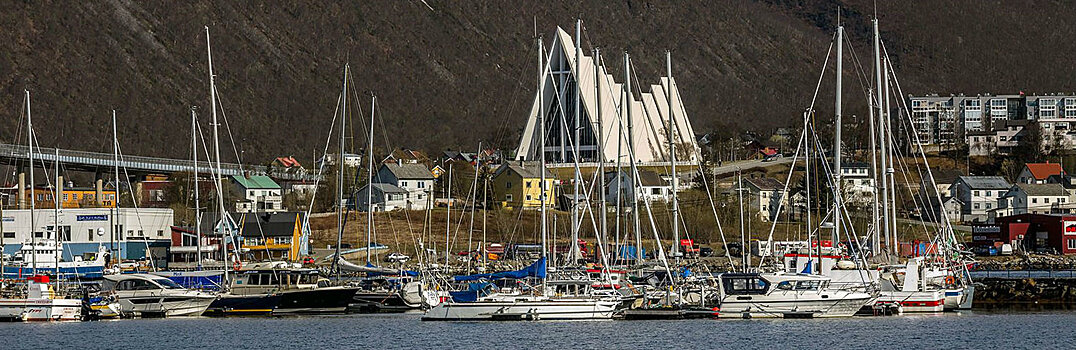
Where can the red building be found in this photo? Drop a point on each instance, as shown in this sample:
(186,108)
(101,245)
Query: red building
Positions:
(1046,233)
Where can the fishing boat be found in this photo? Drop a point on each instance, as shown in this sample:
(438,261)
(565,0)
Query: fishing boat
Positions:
(278,288)
(151,295)
(784,295)
(39,302)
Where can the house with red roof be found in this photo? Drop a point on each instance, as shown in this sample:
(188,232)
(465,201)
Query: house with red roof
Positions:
(1039,173)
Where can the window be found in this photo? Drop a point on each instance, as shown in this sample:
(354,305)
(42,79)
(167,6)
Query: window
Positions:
(975,193)
(403,183)
(1034,200)
(655,191)
(422,184)
(976,205)
(508,197)
(90,235)
(39,234)
(528,197)
(1071,243)
(9,234)
(527,184)
(988,193)
(1046,200)
(989,205)
(508,184)
(160,233)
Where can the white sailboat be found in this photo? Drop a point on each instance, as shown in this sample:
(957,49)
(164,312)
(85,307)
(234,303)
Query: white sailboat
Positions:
(540,301)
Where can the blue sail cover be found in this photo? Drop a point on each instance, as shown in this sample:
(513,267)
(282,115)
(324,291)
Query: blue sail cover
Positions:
(537,270)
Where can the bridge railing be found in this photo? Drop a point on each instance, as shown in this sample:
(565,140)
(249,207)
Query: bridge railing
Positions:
(166,165)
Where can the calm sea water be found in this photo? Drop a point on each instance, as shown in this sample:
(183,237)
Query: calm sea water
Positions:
(966,330)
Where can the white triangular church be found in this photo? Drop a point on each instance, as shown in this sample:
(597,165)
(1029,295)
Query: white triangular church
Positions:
(649,114)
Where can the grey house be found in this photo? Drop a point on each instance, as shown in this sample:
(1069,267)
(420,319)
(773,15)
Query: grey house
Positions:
(385,197)
(979,195)
(415,179)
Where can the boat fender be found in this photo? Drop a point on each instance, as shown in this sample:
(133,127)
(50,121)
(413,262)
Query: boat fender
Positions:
(950,280)
(237,265)
(715,311)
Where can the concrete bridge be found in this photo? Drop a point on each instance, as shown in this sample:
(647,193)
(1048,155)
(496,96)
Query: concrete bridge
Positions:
(104,163)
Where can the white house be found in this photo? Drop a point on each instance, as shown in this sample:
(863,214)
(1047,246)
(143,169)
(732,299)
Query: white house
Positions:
(416,179)
(260,194)
(979,195)
(651,187)
(385,197)
(766,196)
(1032,198)
(1039,173)
(83,230)
(857,182)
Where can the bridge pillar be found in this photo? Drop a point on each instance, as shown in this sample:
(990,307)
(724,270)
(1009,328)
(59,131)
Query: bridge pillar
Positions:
(99,192)
(59,195)
(21,194)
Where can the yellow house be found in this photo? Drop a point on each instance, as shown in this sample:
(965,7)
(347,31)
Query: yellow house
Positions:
(516,185)
(272,236)
(76,197)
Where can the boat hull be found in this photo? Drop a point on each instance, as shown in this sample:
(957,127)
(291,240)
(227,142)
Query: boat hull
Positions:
(66,272)
(373,302)
(523,310)
(316,301)
(41,309)
(914,302)
(168,306)
(235,305)
(844,306)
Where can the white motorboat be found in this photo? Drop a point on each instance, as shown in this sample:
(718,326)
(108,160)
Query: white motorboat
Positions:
(145,295)
(46,258)
(40,304)
(913,294)
(749,295)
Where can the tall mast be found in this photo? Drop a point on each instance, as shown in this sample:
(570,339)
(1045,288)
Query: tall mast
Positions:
(881,134)
(672,158)
(876,237)
(541,148)
(56,193)
(448,213)
(116,172)
(340,180)
(574,250)
(743,234)
(891,146)
(197,195)
(485,210)
(837,138)
(33,203)
(226,223)
(370,179)
(603,229)
(628,99)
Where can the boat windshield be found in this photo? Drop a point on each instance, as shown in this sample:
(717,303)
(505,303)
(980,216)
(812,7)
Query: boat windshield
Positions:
(167,283)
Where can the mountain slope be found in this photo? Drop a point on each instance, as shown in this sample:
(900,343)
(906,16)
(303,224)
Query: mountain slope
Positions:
(450,74)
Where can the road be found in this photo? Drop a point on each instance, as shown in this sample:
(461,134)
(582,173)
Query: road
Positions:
(729,168)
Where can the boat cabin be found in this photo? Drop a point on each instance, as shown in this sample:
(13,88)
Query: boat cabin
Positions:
(263,278)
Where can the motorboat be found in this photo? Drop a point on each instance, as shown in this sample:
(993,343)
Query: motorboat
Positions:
(903,286)
(787,295)
(281,288)
(41,259)
(39,302)
(151,295)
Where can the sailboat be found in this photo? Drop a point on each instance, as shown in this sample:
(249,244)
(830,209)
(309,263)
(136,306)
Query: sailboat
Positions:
(532,297)
(41,301)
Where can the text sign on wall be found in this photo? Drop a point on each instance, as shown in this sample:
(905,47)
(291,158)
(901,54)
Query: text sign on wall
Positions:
(91,218)
(1069,227)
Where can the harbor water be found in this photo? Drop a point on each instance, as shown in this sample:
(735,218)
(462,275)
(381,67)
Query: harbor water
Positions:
(963,330)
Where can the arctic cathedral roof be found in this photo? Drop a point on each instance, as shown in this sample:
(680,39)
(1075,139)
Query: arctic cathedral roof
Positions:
(602,94)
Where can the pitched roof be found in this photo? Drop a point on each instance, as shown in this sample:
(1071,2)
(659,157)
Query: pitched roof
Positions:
(647,178)
(288,162)
(1043,189)
(527,170)
(385,188)
(767,184)
(945,176)
(255,182)
(268,224)
(985,182)
(408,171)
(1041,171)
